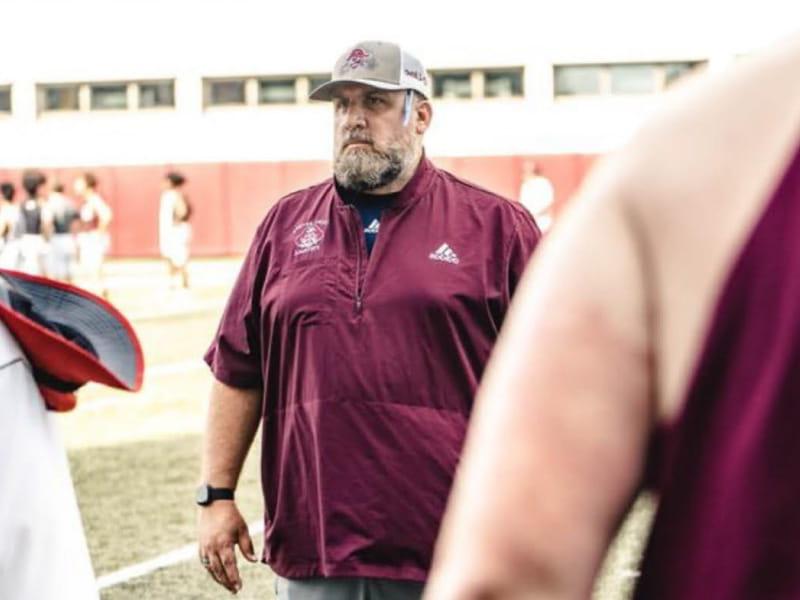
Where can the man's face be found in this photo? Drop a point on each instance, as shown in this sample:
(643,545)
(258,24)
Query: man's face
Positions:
(371,144)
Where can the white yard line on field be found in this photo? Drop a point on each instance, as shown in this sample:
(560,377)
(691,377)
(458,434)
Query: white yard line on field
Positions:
(173,557)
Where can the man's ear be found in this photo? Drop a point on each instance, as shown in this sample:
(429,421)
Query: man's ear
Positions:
(424,112)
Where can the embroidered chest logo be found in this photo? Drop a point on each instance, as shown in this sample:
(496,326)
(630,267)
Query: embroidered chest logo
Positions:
(357,58)
(374,227)
(445,253)
(308,236)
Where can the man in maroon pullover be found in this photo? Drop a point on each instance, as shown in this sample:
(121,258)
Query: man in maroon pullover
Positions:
(356,335)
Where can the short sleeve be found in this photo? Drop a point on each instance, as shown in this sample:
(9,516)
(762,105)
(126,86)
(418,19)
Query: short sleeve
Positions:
(521,246)
(235,352)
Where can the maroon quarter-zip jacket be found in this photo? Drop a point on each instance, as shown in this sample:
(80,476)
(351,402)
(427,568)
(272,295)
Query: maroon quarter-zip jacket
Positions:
(368,364)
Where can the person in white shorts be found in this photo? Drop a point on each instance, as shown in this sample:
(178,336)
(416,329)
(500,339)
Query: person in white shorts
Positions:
(174,229)
(93,239)
(537,195)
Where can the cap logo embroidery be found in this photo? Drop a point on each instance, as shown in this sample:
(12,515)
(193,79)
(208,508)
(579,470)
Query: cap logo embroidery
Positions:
(308,236)
(417,75)
(358,57)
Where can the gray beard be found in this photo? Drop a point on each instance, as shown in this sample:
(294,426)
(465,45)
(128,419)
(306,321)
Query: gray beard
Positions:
(367,170)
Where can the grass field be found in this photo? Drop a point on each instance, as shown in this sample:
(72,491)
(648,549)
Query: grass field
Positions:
(135,458)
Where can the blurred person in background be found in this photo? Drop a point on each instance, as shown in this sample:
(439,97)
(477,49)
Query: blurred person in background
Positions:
(537,194)
(36,223)
(9,227)
(53,339)
(93,239)
(174,229)
(655,342)
(356,333)
(63,248)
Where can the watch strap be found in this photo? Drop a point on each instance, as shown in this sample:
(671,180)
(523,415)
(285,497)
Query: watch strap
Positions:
(219,494)
(206,494)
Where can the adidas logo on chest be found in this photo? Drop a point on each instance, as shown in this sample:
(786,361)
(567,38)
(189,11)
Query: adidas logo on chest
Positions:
(374,227)
(444,253)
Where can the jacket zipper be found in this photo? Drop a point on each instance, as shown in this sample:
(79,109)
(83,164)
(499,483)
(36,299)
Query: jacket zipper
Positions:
(359,237)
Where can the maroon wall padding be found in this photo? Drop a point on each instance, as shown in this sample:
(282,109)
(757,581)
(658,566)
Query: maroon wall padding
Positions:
(230,199)
(134,194)
(252,188)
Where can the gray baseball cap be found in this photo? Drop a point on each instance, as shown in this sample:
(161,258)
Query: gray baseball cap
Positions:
(381,65)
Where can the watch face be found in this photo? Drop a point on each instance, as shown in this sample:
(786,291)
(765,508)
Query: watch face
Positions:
(202,496)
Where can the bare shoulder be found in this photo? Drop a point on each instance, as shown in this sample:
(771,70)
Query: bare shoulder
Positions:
(721,139)
(693,184)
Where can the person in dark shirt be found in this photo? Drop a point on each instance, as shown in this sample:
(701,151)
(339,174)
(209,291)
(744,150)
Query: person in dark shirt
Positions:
(36,223)
(655,342)
(356,335)
(63,249)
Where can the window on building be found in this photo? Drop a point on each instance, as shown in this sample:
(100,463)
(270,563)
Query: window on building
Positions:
(619,79)
(277,91)
(156,94)
(5,98)
(314,81)
(453,84)
(633,79)
(59,97)
(674,71)
(226,92)
(577,80)
(108,96)
(506,83)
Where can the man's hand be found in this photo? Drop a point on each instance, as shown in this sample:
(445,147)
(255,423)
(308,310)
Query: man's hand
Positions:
(220,527)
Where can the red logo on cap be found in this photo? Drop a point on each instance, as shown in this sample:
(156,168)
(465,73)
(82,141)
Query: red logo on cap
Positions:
(357,58)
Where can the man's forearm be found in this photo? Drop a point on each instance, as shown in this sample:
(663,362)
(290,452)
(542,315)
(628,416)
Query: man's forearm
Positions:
(233,418)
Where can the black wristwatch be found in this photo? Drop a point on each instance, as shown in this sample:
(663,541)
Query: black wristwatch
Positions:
(207,494)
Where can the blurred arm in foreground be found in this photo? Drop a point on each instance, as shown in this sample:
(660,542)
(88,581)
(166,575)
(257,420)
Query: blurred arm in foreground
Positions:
(550,466)
(667,322)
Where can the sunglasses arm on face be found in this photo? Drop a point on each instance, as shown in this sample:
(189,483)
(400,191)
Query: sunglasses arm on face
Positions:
(408,104)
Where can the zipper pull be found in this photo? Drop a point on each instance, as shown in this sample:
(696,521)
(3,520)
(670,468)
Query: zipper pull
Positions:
(358,303)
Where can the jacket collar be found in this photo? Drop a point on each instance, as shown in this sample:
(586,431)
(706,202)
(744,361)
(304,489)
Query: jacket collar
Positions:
(413,190)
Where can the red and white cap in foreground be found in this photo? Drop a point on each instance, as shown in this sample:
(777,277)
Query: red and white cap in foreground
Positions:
(70,337)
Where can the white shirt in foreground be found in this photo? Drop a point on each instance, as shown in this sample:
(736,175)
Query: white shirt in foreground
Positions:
(43,552)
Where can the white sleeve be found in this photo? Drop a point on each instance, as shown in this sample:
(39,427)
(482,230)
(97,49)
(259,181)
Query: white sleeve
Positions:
(43,554)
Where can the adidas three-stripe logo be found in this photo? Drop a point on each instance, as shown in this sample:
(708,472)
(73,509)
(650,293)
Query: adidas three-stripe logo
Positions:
(374,227)
(444,253)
